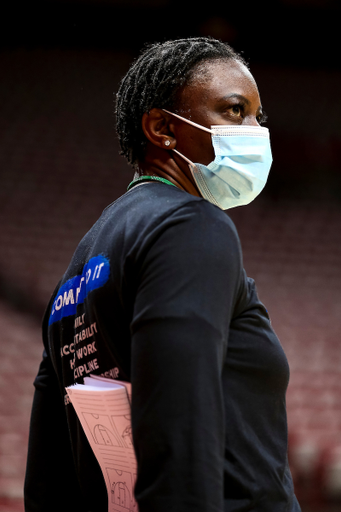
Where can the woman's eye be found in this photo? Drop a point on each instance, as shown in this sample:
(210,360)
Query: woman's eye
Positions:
(236,110)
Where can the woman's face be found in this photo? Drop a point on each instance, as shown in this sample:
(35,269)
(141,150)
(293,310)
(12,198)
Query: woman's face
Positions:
(220,93)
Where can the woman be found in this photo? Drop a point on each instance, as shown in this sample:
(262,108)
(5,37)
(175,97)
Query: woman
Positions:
(158,287)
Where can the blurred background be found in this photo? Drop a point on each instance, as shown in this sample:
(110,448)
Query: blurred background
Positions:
(61,62)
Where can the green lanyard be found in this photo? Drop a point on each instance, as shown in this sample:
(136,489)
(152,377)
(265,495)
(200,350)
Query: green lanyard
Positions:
(144,179)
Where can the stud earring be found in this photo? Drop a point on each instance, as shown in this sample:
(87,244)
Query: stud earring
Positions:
(167,142)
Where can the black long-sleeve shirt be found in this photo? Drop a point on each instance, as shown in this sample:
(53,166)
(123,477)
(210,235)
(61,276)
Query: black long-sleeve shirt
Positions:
(156,294)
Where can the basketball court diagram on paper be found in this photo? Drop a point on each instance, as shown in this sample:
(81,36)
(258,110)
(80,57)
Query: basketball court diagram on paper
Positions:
(121,497)
(105,416)
(110,431)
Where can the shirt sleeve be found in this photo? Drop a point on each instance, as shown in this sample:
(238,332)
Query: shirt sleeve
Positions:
(188,286)
(50,480)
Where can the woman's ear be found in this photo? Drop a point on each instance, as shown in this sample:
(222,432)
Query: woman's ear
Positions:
(155,126)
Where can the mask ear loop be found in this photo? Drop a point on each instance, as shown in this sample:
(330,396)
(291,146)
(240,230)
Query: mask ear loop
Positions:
(190,163)
(198,178)
(189,121)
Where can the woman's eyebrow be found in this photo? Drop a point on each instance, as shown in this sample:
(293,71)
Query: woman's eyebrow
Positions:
(237,96)
(243,99)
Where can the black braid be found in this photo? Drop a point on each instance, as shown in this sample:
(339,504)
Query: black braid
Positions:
(154,80)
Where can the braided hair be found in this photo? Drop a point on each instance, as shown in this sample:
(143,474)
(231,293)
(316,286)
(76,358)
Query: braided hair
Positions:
(154,81)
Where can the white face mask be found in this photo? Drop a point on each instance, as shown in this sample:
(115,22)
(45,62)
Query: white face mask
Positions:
(241,166)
